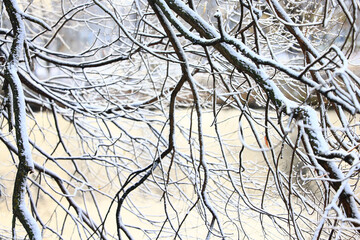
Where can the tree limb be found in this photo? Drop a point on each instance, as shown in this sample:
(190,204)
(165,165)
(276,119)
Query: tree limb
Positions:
(26,164)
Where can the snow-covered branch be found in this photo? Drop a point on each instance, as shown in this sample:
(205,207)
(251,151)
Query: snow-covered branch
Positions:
(25,164)
(282,103)
(172,118)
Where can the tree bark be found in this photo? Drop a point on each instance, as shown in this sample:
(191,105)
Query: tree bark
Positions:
(25,164)
(278,99)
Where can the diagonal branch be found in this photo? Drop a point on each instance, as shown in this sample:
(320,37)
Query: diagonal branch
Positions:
(282,103)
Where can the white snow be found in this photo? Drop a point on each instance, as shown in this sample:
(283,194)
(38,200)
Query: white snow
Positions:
(25,157)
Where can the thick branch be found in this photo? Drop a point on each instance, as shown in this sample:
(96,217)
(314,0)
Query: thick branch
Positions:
(25,160)
(243,64)
(281,102)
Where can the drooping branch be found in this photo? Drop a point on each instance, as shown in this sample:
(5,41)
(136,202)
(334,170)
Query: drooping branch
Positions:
(188,77)
(109,68)
(282,103)
(25,164)
(62,186)
(247,60)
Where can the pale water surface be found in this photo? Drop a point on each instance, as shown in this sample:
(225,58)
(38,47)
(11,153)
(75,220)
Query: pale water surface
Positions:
(148,200)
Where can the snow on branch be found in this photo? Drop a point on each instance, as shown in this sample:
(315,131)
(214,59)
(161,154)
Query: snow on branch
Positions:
(25,164)
(246,62)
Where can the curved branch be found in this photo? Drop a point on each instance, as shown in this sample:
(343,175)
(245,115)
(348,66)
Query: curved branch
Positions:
(26,164)
(188,77)
(282,103)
